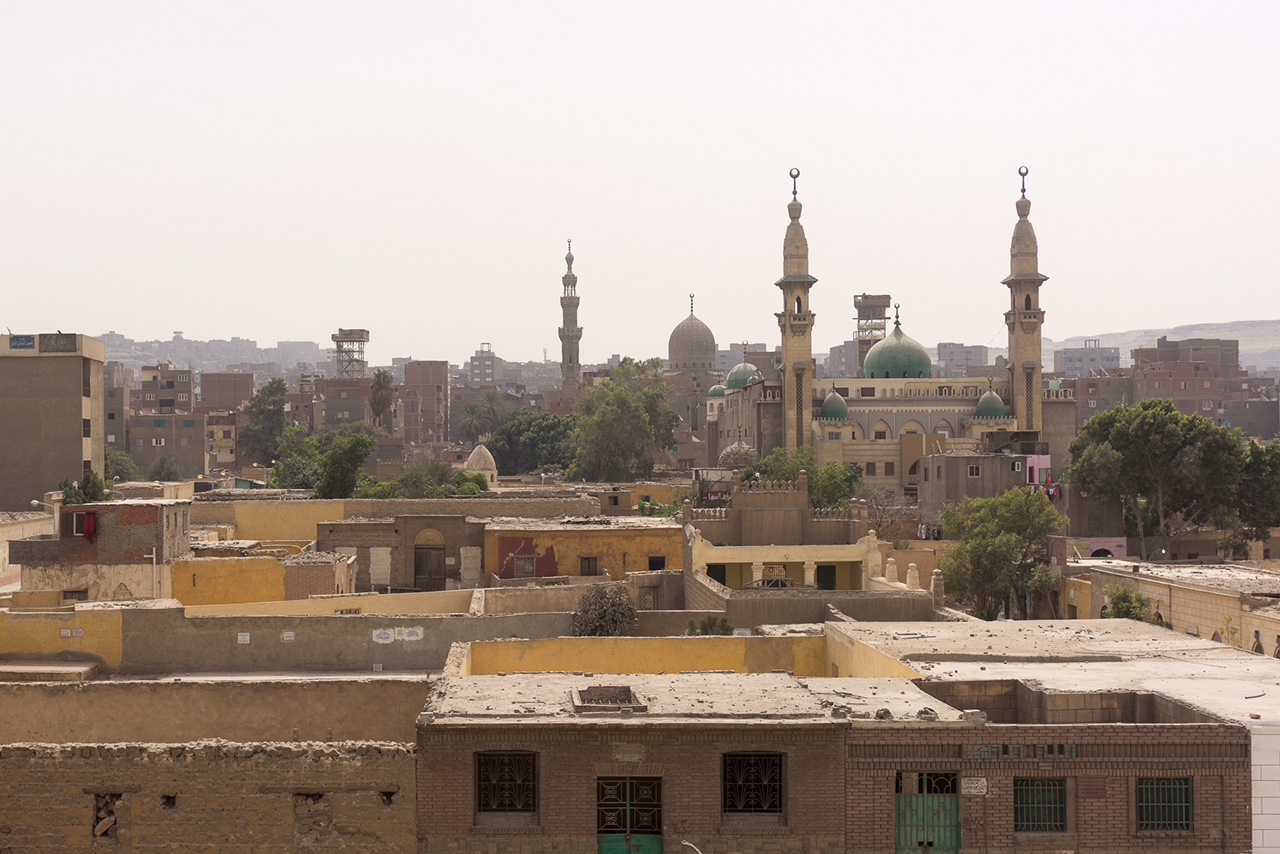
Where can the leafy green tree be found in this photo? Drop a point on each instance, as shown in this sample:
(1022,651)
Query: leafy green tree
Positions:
(265,421)
(604,612)
(528,442)
(340,465)
(298,460)
(1171,472)
(625,424)
(381,394)
(830,486)
(1125,603)
(1002,542)
(121,465)
(1258,499)
(90,490)
(166,468)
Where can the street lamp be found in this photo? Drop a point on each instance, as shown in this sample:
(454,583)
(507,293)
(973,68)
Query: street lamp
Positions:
(35,503)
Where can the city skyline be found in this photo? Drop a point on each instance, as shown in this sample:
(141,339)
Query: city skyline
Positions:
(279,173)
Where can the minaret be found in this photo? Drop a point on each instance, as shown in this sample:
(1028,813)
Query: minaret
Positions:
(1024,318)
(570,332)
(796,322)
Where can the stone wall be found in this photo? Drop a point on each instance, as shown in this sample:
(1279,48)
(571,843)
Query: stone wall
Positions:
(207,796)
(191,708)
(748,608)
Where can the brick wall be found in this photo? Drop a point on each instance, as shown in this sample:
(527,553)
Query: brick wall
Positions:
(207,796)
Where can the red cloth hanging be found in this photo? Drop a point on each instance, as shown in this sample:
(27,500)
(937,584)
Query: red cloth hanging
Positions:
(90,526)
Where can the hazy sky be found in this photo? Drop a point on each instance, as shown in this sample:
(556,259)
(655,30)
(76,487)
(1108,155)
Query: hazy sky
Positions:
(277,170)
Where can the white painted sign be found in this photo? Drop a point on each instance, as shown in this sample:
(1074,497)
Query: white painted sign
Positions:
(973,786)
(287,637)
(242,637)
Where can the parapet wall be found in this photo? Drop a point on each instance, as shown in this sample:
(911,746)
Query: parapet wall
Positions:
(208,796)
(748,608)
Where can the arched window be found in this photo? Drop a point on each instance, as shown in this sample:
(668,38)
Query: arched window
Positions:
(1026,302)
(797,305)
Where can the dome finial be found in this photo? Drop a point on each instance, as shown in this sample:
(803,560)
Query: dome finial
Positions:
(795,173)
(896,321)
(1022,170)
(691,303)
(568,258)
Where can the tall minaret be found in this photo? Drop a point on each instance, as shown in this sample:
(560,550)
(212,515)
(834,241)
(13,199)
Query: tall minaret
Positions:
(1024,318)
(570,332)
(796,322)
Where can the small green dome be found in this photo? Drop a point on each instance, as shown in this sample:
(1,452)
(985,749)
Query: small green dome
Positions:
(742,376)
(896,356)
(834,407)
(990,406)
(716,390)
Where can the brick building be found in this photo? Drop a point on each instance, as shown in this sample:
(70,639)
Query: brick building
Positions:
(425,398)
(224,391)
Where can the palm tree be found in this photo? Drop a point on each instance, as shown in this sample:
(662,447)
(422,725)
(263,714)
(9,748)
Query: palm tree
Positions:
(381,393)
(471,423)
(494,408)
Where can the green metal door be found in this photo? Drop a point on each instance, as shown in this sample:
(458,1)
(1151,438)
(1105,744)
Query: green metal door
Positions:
(928,813)
(629,815)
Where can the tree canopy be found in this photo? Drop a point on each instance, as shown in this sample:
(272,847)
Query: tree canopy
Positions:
(1001,543)
(625,424)
(831,485)
(528,442)
(382,392)
(89,490)
(120,465)
(265,420)
(1174,473)
(328,463)
(340,464)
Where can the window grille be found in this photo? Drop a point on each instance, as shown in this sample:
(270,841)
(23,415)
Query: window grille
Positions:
(753,783)
(1039,806)
(1164,803)
(927,783)
(507,782)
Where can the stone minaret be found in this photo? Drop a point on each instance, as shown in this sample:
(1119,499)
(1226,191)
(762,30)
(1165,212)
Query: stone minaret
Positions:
(796,322)
(1024,318)
(570,332)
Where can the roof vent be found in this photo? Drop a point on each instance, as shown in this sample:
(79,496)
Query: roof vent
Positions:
(607,698)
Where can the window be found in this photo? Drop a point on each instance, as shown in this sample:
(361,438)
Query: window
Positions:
(157,443)
(867,391)
(716,572)
(881,434)
(1017,465)
(111,438)
(888,469)
(926,473)
(159,422)
(86,427)
(151,396)
(507,782)
(871,469)
(1207,405)
(1039,806)
(1164,803)
(81,595)
(111,416)
(86,378)
(226,434)
(834,436)
(588,566)
(189,424)
(753,783)
(975,471)
(657,562)
(77,524)
(182,396)
(1093,404)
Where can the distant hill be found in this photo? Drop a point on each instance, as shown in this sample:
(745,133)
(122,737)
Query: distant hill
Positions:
(1259,340)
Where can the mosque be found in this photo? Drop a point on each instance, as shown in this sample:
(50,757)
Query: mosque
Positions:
(895,414)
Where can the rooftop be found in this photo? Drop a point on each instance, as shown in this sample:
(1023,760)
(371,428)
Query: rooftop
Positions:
(1227,577)
(579,523)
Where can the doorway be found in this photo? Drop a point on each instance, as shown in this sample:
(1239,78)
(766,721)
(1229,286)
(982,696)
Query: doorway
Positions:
(629,815)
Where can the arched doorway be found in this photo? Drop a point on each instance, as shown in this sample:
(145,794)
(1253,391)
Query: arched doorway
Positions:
(428,560)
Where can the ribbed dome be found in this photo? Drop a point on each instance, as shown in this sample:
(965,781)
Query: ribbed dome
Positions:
(990,406)
(834,407)
(742,376)
(738,455)
(691,345)
(897,355)
(716,390)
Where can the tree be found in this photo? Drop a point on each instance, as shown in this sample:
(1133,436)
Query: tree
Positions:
(1258,499)
(381,394)
(1002,541)
(120,465)
(888,514)
(471,423)
(340,465)
(604,612)
(830,486)
(90,490)
(1125,603)
(166,468)
(493,409)
(265,420)
(530,442)
(1171,472)
(625,424)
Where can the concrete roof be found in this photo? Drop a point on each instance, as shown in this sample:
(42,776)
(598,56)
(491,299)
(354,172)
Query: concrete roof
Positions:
(682,697)
(1221,577)
(579,523)
(1087,656)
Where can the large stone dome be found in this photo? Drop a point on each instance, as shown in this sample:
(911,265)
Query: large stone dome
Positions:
(895,356)
(691,346)
(739,455)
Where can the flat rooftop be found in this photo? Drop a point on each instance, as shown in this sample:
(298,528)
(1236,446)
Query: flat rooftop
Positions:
(1087,656)
(579,523)
(1221,577)
(684,697)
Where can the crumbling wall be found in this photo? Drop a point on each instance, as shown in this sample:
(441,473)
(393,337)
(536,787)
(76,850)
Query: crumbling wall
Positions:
(208,796)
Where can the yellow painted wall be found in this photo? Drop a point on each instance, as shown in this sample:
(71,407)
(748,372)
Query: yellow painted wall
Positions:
(804,656)
(214,580)
(849,657)
(1079,592)
(619,550)
(269,520)
(40,634)
(441,602)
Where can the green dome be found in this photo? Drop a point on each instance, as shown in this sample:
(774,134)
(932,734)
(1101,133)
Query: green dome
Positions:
(990,406)
(834,407)
(716,390)
(897,356)
(743,375)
